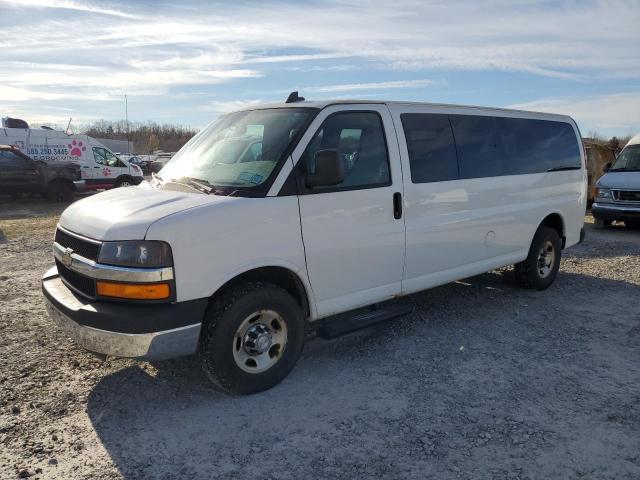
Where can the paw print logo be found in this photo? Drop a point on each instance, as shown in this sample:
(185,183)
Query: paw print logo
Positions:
(76,149)
(106,172)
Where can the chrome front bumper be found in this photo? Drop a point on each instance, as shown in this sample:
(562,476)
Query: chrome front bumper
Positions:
(614,211)
(123,330)
(145,346)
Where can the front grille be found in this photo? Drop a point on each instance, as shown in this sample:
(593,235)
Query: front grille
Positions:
(83,248)
(630,196)
(84,285)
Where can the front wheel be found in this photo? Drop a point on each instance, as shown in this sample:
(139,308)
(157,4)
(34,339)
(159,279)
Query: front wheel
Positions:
(633,224)
(601,224)
(251,338)
(541,267)
(58,191)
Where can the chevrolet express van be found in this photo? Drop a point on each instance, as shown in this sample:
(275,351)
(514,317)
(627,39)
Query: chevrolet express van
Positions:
(341,205)
(618,190)
(99,166)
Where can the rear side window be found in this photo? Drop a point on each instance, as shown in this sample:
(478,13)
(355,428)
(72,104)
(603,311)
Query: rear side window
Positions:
(431,146)
(359,139)
(478,145)
(535,146)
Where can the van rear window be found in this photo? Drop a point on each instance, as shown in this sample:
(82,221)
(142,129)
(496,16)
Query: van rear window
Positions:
(446,147)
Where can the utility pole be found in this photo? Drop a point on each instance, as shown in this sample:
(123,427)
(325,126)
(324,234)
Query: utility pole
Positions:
(126,114)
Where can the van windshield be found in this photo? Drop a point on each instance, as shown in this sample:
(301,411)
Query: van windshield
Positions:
(240,149)
(628,160)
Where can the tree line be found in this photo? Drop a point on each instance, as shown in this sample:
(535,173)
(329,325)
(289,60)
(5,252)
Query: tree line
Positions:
(146,137)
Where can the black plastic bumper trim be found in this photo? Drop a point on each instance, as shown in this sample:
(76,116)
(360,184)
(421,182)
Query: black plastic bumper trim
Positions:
(122,317)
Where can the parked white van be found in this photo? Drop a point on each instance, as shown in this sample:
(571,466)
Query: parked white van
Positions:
(100,167)
(618,190)
(344,205)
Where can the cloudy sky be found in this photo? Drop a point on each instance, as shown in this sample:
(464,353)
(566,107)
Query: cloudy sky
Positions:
(187,61)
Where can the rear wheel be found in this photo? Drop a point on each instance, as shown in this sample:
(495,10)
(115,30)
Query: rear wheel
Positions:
(123,182)
(541,267)
(59,192)
(251,338)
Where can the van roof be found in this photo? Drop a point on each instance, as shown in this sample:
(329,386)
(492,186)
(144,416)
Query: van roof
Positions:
(325,103)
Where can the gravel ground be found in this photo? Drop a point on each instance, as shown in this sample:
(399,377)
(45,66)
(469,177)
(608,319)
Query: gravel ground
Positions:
(484,380)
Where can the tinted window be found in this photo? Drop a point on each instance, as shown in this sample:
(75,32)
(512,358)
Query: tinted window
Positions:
(534,146)
(11,160)
(359,139)
(432,150)
(479,152)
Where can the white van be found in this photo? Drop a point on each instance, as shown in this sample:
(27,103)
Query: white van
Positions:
(100,167)
(618,190)
(343,205)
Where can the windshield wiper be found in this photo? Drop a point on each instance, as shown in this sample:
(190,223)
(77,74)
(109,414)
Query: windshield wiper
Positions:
(565,168)
(196,183)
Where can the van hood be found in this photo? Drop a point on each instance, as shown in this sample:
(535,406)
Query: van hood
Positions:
(621,180)
(126,213)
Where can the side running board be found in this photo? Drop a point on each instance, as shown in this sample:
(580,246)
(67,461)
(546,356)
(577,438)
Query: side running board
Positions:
(338,325)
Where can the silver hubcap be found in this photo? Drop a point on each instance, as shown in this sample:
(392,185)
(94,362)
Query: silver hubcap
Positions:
(125,184)
(259,341)
(546,259)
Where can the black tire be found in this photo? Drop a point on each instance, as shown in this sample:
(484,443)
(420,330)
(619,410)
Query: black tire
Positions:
(218,339)
(58,191)
(601,224)
(125,181)
(530,273)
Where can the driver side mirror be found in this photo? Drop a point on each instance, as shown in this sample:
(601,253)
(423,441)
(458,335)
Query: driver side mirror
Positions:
(607,166)
(330,169)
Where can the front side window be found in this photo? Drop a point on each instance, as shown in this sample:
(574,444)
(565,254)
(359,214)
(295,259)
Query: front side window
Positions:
(241,149)
(106,157)
(359,139)
(431,147)
(628,160)
(10,160)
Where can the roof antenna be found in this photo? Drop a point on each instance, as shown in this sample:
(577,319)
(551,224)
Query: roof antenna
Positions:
(293,98)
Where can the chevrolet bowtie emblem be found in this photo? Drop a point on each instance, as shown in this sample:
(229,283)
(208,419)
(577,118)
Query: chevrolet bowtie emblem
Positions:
(66,257)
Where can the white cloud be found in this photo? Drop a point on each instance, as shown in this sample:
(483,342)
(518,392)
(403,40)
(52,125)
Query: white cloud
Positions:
(67,5)
(56,51)
(618,112)
(351,87)
(229,106)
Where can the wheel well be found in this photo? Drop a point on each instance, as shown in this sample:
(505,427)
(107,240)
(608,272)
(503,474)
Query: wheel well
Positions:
(279,276)
(555,221)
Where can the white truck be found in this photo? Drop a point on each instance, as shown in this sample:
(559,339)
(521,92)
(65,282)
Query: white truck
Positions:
(100,168)
(341,205)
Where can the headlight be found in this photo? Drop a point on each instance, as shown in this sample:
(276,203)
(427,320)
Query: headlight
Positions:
(603,193)
(136,253)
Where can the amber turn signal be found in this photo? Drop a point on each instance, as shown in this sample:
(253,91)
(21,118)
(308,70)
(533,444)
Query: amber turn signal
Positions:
(134,291)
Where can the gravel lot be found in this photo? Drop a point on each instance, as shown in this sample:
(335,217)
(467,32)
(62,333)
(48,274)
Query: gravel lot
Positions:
(484,380)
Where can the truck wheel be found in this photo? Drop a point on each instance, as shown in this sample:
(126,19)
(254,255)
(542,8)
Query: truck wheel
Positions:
(600,224)
(123,182)
(251,338)
(541,267)
(59,192)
